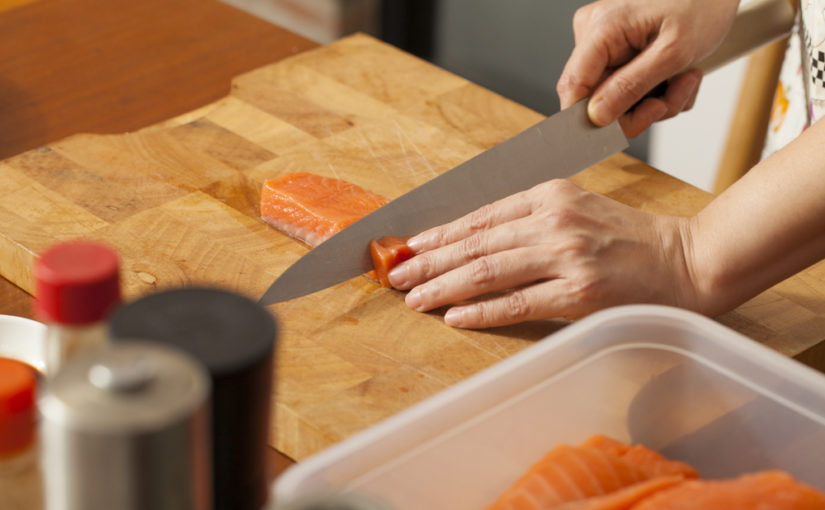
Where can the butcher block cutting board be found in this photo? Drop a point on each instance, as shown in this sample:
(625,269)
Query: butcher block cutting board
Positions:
(179,201)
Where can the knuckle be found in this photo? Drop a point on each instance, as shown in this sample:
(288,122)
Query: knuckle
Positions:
(590,289)
(555,187)
(516,306)
(547,192)
(483,314)
(482,271)
(441,236)
(481,218)
(581,17)
(560,218)
(674,49)
(566,82)
(424,266)
(627,86)
(598,16)
(588,15)
(577,247)
(472,247)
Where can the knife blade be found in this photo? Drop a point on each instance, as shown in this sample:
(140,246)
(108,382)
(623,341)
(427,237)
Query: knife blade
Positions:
(558,146)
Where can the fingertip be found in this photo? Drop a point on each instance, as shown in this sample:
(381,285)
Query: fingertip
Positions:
(454,317)
(399,276)
(413,299)
(416,243)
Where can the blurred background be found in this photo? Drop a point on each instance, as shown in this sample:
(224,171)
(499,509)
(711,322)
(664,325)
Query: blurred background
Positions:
(516,48)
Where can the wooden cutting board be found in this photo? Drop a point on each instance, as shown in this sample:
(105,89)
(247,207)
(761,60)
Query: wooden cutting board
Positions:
(179,201)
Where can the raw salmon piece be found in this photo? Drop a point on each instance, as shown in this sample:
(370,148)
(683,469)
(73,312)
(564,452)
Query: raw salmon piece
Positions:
(569,473)
(652,463)
(599,466)
(625,498)
(768,490)
(388,252)
(312,208)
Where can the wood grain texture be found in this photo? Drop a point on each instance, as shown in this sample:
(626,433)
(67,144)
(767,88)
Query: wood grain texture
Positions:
(179,201)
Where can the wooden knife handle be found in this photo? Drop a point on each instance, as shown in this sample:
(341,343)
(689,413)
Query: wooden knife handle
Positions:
(758,22)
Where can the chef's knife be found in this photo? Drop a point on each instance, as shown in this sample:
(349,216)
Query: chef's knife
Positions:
(558,146)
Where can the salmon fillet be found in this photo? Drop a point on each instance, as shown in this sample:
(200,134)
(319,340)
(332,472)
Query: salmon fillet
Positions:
(773,490)
(599,466)
(312,208)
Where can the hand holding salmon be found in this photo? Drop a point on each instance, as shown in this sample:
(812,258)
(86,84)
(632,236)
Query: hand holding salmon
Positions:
(555,250)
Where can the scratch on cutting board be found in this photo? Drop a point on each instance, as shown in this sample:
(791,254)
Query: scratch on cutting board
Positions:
(377,157)
(402,134)
(405,365)
(491,348)
(334,170)
(398,132)
(329,164)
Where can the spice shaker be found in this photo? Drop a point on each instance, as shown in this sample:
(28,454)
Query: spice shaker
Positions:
(20,487)
(76,286)
(126,427)
(234,338)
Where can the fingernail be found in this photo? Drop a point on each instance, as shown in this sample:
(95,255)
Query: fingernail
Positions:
(399,275)
(454,316)
(413,299)
(416,242)
(598,112)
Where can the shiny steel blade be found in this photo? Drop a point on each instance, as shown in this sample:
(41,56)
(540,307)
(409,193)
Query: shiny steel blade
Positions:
(558,146)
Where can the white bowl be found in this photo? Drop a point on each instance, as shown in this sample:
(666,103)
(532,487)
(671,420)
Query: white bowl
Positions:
(24,340)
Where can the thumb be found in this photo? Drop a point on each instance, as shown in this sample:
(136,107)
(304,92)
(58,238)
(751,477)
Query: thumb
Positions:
(628,84)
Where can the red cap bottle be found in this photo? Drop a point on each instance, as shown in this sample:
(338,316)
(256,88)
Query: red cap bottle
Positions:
(76,285)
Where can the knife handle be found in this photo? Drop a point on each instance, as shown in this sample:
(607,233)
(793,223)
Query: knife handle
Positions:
(757,23)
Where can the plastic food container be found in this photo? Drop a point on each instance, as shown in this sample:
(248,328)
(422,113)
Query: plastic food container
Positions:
(672,380)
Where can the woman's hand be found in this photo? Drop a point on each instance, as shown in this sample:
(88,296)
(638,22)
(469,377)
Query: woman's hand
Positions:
(555,250)
(625,48)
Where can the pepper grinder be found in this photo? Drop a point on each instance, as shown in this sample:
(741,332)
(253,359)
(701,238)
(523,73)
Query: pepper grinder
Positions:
(234,338)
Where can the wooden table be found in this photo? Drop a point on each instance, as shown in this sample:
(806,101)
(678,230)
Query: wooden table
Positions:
(73,66)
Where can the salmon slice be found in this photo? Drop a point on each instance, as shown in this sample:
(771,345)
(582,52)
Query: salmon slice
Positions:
(573,473)
(625,498)
(774,490)
(312,208)
(652,463)
(387,252)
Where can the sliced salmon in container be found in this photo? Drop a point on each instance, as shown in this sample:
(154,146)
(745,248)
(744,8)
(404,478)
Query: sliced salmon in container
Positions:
(691,391)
